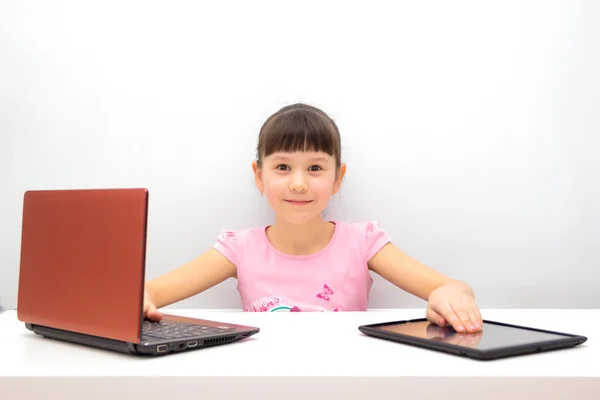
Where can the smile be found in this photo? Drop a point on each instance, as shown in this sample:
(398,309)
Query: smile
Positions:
(298,202)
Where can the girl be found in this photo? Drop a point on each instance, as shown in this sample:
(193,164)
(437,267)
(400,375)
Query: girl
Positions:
(303,262)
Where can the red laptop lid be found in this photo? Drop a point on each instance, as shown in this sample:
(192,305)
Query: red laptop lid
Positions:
(82,261)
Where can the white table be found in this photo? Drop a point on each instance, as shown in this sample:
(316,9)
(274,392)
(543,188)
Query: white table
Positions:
(303,355)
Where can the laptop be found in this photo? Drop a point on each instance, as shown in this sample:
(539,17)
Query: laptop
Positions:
(82,274)
(495,340)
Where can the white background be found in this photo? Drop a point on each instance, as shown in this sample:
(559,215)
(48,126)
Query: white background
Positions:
(470,129)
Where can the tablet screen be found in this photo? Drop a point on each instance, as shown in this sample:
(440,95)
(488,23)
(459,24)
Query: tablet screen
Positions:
(490,337)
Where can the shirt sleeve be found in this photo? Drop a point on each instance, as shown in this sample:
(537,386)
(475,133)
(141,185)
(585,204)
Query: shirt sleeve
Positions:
(375,239)
(227,245)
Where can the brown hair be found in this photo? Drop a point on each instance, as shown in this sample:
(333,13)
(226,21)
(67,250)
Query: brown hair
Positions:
(299,127)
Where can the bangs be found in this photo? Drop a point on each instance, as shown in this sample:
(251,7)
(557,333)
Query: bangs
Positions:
(298,130)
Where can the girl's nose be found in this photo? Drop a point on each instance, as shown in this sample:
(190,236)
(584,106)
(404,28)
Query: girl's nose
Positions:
(298,183)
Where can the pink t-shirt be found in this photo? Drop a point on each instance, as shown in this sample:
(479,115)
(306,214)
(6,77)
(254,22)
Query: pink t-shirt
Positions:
(334,279)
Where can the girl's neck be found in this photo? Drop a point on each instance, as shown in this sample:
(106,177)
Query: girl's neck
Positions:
(305,239)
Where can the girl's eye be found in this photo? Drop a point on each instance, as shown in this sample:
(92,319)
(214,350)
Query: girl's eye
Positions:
(282,167)
(315,168)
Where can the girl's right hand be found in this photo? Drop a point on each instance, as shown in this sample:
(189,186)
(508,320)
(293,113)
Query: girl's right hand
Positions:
(150,311)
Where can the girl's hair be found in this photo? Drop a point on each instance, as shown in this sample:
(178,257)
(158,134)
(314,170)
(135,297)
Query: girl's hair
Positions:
(299,127)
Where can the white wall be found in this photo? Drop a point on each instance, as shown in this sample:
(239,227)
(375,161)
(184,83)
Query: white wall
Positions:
(470,129)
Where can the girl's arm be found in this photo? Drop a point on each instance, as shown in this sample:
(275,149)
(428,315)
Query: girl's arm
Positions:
(200,274)
(448,299)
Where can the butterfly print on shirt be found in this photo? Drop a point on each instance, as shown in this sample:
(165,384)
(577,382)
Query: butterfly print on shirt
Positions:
(325,293)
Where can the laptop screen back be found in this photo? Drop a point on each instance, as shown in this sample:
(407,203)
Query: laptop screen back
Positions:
(82,261)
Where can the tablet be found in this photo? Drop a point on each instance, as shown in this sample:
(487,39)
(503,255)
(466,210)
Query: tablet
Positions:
(495,340)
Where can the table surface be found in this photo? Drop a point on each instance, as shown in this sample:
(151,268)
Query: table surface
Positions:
(306,345)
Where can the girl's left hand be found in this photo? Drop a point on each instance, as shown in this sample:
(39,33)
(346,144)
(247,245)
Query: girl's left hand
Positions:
(454,304)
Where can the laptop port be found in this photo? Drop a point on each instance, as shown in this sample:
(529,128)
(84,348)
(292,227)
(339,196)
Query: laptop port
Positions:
(193,343)
(161,348)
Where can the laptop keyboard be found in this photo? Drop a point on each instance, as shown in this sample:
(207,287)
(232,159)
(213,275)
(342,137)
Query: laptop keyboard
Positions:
(179,330)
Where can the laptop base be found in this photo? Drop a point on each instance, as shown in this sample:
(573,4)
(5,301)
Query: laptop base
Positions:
(80,338)
(144,348)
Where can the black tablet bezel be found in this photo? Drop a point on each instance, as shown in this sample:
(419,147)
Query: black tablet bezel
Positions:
(568,340)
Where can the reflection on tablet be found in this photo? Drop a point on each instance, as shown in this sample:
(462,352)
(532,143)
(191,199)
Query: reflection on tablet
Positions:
(491,336)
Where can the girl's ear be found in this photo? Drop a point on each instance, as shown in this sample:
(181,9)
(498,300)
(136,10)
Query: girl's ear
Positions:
(340,177)
(258,177)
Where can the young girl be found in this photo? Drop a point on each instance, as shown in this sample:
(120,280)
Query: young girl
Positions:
(303,262)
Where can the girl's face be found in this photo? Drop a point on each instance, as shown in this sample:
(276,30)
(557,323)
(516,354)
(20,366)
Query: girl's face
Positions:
(298,185)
